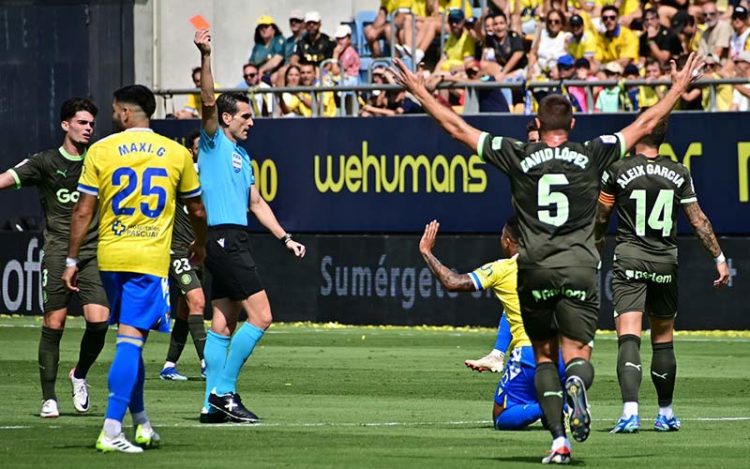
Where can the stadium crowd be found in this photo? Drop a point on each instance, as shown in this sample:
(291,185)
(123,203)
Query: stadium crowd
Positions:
(516,42)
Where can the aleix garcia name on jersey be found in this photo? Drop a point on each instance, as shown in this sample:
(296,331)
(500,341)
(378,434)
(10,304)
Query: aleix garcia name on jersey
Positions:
(650,170)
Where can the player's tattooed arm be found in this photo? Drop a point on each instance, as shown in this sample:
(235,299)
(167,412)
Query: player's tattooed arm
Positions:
(705,233)
(702,227)
(449,279)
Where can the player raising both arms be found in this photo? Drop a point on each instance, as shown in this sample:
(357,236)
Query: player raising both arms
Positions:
(134,176)
(515,405)
(55,172)
(229,187)
(648,190)
(555,184)
(182,275)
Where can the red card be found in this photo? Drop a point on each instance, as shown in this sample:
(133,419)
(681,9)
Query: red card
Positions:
(199,22)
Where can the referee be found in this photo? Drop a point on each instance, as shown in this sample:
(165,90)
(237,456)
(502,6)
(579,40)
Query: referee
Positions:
(228,183)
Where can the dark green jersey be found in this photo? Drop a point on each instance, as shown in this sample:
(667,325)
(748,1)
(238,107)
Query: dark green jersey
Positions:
(56,174)
(182,234)
(648,193)
(554,195)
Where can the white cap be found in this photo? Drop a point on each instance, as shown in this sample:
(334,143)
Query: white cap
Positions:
(613,67)
(342,30)
(312,17)
(297,15)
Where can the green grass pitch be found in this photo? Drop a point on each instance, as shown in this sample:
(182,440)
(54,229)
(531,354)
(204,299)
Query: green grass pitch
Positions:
(371,397)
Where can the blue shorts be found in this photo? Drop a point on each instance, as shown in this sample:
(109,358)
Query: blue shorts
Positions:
(137,300)
(516,387)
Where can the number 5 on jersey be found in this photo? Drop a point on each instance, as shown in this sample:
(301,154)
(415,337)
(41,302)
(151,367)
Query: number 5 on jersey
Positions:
(552,201)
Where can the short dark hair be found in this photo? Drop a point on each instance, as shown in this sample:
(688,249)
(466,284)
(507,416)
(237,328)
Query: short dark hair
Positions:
(138,95)
(195,70)
(658,135)
(511,224)
(531,126)
(652,11)
(227,102)
(72,105)
(555,113)
(606,8)
(499,13)
(250,64)
(190,138)
(651,61)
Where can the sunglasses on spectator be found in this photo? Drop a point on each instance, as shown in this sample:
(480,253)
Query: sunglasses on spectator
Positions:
(554,22)
(609,18)
(711,14)
(295,21)
(250,75)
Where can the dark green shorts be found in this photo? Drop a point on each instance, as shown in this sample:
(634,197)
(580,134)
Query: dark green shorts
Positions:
(561,301)
(54,294)
(183,276)
(644,286)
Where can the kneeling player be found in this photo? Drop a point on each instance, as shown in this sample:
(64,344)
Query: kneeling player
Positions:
(648,189)
(516,405)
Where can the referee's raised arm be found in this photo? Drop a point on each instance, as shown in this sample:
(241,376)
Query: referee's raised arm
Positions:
(209,115)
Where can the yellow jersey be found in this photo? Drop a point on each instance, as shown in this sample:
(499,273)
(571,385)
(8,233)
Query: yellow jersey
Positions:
(502,277)
(583,47)
(624,44)
(137,175)
(457,49)
(628,6)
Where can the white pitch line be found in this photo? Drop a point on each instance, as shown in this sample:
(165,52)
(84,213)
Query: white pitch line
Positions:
(14,427)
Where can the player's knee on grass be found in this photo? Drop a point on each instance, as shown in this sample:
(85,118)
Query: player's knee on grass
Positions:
(517,417)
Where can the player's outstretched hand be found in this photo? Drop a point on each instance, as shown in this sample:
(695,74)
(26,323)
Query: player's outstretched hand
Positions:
(203,41)
(70,278)
(408,79)
(691,71)
(428,238)
(723,279)
(196,254)
(296,248)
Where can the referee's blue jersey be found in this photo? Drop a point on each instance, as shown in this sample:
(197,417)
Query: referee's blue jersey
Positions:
(226,176)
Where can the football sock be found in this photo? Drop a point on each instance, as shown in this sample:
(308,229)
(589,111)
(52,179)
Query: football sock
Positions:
(112,427)
(666,411)
(177,340)
(215,356)
(137,406)
(198,333)
(123,376)
(49,358)
(504,335)
(549,393)
(664,372)
(240,350)
(518,416)
(92,344)
(629,367)
(581,368)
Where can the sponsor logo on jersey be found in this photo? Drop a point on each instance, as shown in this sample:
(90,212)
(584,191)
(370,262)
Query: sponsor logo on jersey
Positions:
(118,228)
(608,139)
(64,196)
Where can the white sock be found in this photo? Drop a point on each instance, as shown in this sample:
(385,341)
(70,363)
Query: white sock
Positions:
(203,363)
(497,354)
(140,418)
(666,411)
(419,55)
(629,409)
(559,442)
(112,427)
(169,365)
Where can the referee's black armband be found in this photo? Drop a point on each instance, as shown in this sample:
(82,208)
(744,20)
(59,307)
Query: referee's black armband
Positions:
(285,239)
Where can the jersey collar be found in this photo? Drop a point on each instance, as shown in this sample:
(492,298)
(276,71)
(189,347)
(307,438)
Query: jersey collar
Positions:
(69,156)
(139,129)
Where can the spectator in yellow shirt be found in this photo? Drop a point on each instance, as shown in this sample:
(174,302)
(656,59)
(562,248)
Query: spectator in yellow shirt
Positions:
(723,92)
(459,46)
(650,95)
(617,43)
(581,43)
(630,10)
(194,103)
